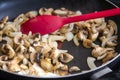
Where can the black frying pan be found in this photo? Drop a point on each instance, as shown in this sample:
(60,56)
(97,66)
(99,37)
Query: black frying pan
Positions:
(12,8)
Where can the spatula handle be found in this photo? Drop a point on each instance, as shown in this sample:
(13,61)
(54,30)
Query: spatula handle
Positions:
(100,14)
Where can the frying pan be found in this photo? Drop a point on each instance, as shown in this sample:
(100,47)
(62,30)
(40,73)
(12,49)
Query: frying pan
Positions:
(12,8)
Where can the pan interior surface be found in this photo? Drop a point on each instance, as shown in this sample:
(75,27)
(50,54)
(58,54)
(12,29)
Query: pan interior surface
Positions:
(13,8)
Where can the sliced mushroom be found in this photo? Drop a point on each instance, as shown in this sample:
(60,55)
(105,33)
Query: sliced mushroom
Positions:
(65,57)
(32,71)
(14,67)
(101,57)
(46,48)
(32,52)
(63,70)
(87,43)
(18,40)
(110,41)
(97,51)
(75,40)
(8,50)
(101,27)
(60,12)
(36,37)
(99,20)
(114,25)
(111,31)
(21,49)
(20,19)
(64,29)
(82,35)
(13,34)
(109,56)
(8,40)
(3,21)
(31,14)
(24,67)
(46,64)
(36,43)
(44,11)
(26,43)
(1,33)
(13,64)
(93,36)
(74,69)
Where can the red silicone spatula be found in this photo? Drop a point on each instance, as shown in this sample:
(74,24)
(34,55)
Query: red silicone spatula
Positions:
(47,23)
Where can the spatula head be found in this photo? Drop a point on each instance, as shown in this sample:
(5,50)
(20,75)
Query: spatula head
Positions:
(42,24)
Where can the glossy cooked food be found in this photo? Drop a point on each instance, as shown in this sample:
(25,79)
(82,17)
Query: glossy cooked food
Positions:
(39,55)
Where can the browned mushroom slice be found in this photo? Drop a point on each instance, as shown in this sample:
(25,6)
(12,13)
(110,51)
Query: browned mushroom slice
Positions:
(82,34)
(8,50)
(76,40)
(110,41)
(1,33)
(74,69)
(44,11)
(109,56)
(87,43)
(32,52)
(13,65)
(31,14)
(101,27)
(93,36)
(65,57)
(60,12)
(3,21)
(63,70)
(20,19)
(46,64)
(97,51)
(36,37)
(114,25)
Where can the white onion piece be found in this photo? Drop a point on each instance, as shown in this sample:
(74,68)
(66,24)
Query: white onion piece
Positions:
(57,38)
(78,12)
(69,36)
(90,62)
(44,38)
(62,51)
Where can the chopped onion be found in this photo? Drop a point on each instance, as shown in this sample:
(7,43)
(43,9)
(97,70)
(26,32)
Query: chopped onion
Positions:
(90,62)
(69,36)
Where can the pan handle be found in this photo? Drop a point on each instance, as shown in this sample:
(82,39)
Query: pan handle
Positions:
(101,73)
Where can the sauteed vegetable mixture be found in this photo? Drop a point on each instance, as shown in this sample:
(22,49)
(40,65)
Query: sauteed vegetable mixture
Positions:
(39,55)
